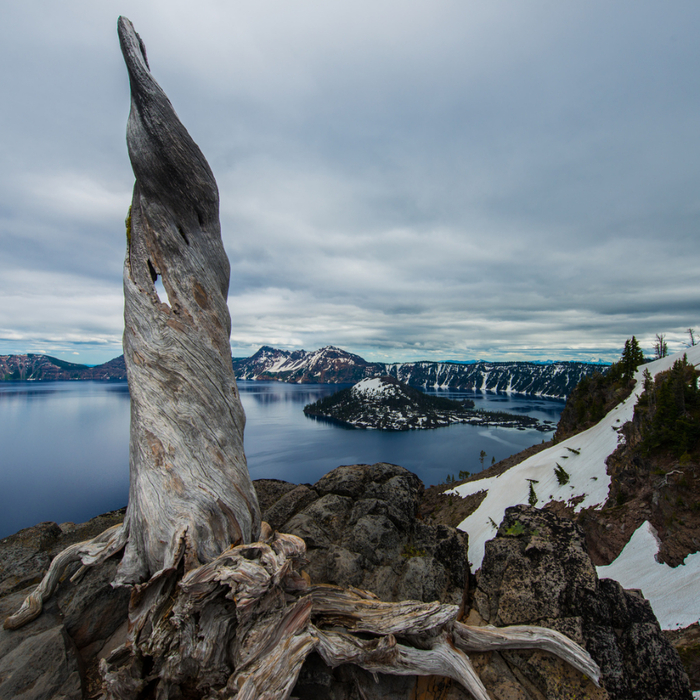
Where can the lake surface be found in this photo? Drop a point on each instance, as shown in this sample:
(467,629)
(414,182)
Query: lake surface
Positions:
(64,446)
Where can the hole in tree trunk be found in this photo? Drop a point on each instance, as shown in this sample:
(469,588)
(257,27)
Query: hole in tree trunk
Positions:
(161,292)
(160,289)
(152,271)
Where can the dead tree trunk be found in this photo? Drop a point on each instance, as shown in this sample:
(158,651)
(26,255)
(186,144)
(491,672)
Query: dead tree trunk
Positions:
(219,608)
(190,494)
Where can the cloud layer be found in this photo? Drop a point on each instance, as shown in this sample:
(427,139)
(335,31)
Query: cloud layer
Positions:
(405,180)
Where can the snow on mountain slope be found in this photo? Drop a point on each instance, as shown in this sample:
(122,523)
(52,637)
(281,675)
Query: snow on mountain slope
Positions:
(674,592)
(583,458)
(335,366)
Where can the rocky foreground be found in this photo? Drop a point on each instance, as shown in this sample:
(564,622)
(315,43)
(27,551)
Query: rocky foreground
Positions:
(367,526)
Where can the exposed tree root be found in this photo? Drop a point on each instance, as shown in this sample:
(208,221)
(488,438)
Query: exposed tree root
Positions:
(242,625)
(90,553)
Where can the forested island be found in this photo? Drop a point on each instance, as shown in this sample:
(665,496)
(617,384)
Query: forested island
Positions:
(385,403)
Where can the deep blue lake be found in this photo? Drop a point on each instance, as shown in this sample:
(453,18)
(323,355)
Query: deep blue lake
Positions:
(64,445)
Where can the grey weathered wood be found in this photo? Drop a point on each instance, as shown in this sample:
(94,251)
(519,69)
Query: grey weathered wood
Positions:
(384,655)
(526,637)
(190,494)
(89,553)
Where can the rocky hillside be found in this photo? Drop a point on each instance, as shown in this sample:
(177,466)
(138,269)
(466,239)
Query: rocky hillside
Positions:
(386,403)
(335,366)
(45,368)
(363,528)
(625,466)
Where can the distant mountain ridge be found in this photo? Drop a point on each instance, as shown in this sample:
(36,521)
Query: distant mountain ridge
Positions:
(331,365)
(33,367)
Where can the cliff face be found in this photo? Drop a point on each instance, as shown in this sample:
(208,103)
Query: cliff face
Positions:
(654,472)
(334,366)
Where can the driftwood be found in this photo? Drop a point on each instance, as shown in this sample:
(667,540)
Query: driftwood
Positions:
(219,606)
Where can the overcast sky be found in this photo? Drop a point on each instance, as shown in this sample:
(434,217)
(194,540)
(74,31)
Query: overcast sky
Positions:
(405,180)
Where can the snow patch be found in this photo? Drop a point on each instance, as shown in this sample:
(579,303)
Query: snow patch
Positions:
(674,592)
(374,387)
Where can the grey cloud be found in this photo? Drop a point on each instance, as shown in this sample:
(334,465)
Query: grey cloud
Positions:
(425,179)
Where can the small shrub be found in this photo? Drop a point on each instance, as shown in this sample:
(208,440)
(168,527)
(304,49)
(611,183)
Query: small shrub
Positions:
(516,529)
(532,498)
(561,474)
(409,551)
(576,452)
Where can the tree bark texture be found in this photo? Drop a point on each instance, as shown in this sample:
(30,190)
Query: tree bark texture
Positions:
(190,494)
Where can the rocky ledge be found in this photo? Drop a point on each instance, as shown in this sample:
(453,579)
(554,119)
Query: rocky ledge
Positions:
(362,527)
(385,403)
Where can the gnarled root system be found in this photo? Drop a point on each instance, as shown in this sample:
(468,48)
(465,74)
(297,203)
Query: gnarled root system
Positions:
(242,625)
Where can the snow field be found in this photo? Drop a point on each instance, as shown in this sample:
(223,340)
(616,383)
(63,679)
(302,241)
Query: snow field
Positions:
(674,592)
(583,458)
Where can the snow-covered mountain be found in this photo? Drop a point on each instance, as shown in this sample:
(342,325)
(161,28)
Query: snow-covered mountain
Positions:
(329,365)
(335,366)
(673,592)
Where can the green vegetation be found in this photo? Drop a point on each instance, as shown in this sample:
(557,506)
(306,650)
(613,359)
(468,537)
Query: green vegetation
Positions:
(668,410)
(561,474)
(128,227)
(632,357)
(516,529)
(532,498)
(596,395)
(409,551)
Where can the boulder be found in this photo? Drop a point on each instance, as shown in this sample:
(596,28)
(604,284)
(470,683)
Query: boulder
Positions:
(55,657)
(361,530)
(536,571)
(40,661)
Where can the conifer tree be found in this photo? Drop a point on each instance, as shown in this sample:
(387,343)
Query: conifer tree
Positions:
(632,357)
